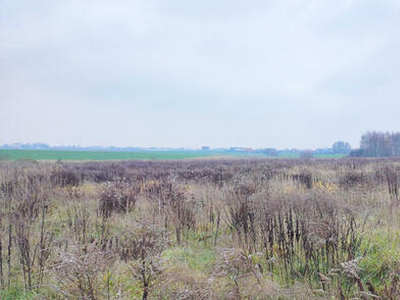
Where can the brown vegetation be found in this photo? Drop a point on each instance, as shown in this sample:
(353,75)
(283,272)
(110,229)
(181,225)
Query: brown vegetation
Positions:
(240,229)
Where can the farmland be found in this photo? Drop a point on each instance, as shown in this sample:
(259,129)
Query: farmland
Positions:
(103,155)
(200,229)
(54,155)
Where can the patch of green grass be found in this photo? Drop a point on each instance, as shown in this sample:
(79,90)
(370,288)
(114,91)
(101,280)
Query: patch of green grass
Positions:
(198,259)
(17,293)
(10,154)
(382,255)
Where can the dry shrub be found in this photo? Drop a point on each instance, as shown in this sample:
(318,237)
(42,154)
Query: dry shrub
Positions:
(392,176)
(241,215)
(236,275)
(234,265)
(173,204)
(78,220)
(300,291)
(117,197)
(180,282)
(299,234)
(30,193)
(359,179)
(141,246)
(62,177)
(180,208)
(80,273)
(35,246)
(304,178)
(28,210)
(392,287)
(345,278)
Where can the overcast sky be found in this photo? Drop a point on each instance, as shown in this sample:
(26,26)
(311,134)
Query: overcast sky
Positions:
(183,73)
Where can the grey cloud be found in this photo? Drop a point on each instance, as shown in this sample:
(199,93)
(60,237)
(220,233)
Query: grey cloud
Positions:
(262,73)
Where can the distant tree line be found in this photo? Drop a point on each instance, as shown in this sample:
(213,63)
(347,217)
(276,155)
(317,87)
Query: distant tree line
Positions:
(378,144)
(341,147)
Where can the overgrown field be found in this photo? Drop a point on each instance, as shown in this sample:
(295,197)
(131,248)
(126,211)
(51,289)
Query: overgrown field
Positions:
(213,229)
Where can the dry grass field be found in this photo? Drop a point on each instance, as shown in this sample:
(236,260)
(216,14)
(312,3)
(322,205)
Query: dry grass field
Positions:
(201,229)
